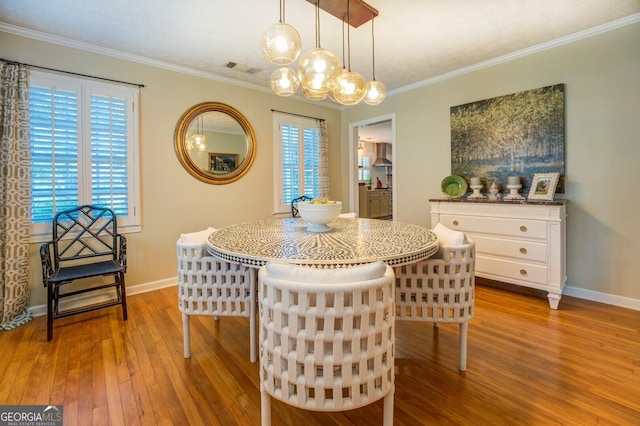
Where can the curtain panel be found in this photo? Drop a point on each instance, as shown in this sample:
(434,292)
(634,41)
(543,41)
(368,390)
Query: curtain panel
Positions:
(323,171)
(15,195)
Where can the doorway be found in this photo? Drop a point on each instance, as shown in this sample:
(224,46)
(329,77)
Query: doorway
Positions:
(372,148)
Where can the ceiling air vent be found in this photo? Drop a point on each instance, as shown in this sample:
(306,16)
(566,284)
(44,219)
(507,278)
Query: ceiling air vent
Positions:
(242,67)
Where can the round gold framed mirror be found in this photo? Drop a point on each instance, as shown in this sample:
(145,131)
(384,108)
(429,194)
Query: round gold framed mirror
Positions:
(215,143)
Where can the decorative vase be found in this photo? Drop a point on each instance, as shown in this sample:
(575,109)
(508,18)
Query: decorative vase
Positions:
(495,191)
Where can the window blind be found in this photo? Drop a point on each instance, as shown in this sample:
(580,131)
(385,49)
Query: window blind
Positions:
(109,161)
(84,146)
(54,151)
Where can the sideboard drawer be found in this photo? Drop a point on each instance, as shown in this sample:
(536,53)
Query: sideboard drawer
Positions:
(512,270)
(525,228)
(517,249)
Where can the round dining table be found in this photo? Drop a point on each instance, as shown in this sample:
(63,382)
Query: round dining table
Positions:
(348,242)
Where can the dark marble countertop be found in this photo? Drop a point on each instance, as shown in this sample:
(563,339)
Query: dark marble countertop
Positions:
(501,201)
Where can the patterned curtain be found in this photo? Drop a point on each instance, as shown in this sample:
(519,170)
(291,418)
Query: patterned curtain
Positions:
(15,195)
(323,170)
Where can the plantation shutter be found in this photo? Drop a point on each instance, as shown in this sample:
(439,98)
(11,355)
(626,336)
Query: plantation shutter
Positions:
(290,162)
(109,156)
(84,146)
(54,151)
(311,161)
(298,159)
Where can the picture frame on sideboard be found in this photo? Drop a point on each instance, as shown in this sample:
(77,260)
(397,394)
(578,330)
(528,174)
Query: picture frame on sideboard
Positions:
(543,186)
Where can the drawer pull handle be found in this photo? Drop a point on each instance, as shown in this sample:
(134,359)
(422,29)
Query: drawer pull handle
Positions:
(455,223)
(523,272)
(523,228)
(523,250)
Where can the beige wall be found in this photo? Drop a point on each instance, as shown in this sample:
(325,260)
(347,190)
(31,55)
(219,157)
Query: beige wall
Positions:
(602,87)
(602,107)
(172,200)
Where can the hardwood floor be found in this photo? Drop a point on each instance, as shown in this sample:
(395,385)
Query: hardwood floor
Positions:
(527,364)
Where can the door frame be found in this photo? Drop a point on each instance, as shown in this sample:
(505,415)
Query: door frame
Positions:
(353,159)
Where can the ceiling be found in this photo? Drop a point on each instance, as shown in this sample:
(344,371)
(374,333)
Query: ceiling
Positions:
(376,132)
(415,40)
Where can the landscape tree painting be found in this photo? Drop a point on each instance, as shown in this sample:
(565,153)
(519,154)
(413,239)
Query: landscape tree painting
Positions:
(513,135)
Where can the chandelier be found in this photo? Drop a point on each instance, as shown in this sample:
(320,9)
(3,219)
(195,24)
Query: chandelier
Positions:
(198,139)
(375,92)
(320,73)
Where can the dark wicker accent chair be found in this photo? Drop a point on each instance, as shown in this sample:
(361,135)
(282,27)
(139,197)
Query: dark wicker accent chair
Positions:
(85,244)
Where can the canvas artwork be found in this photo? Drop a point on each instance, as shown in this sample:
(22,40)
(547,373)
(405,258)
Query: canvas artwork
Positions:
(513,135)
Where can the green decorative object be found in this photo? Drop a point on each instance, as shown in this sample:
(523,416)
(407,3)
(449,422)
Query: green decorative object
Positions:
(453,186)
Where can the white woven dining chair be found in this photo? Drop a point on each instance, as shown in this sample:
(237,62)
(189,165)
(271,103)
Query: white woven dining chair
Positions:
(440,289)
(326,337)
(213,287)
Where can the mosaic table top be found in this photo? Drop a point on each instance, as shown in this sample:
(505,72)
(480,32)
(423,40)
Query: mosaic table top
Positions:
(349,242)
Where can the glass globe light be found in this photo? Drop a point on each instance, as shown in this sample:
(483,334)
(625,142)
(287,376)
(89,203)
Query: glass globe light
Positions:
(318,70)
(281,44)
(375,93)
(284,81)
(198,140)
(350,88)
(315,95)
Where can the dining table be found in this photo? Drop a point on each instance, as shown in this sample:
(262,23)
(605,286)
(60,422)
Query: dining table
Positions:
(348,242)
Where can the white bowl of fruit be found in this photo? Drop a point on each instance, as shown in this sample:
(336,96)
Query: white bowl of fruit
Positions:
(318,213)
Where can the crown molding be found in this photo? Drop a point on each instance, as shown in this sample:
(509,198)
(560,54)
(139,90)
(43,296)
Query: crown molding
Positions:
(581,35)
(87,47)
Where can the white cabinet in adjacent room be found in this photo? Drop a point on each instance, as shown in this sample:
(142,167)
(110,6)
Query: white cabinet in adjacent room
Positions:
(375,203)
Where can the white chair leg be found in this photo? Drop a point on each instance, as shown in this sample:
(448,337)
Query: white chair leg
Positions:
(253,356)
(265,408)
(463,346)
(253,339)
(186,335)
(387,413)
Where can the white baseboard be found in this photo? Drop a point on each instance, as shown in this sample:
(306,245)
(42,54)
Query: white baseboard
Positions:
(72,302)
(99,297)
(596,296)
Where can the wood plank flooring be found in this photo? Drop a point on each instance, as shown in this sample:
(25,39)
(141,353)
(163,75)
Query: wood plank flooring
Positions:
(527,364)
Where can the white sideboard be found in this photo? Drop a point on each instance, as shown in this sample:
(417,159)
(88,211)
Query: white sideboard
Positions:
(517,242)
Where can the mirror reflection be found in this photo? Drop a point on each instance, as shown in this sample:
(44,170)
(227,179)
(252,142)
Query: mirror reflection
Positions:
(215,143)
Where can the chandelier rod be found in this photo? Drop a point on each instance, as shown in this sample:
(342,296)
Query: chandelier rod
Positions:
(373,50)
(348,36)
(318,24)
(343,49)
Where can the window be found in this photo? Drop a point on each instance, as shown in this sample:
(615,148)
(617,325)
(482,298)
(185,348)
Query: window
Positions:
(84,148)
(364,167)
(297,158)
